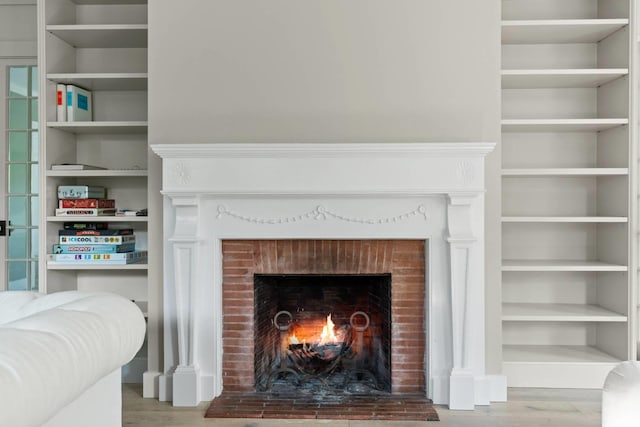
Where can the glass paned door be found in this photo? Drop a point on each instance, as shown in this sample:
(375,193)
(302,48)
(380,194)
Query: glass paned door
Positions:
(21,178)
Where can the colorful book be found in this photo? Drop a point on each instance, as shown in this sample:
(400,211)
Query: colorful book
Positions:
(85,212)
(99,259)
(107,232)
(97,240)
(81,192)
(93,249)
(79,104)
(61,104)
(86,203)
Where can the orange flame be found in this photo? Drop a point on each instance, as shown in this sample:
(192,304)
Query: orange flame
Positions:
(309,333)
(327,336)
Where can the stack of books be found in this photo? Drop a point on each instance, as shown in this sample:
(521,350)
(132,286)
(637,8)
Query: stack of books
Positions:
(96,245)
(84,200)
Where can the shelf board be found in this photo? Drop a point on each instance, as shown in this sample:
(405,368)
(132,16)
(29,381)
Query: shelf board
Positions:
(108,2)
(102,35)
(99,173)
(554,31)
(102,81)
(566,78)
(565,172)
(560,265)
(555,354)
(52,218)
(569,219)
(100,127)
(532,312)
(52,265)
(561,125)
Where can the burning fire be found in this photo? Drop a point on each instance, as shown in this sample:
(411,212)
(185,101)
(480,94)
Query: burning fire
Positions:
(327,336)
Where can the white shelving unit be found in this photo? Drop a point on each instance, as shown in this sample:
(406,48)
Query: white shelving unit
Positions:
(566,191)
(100,45)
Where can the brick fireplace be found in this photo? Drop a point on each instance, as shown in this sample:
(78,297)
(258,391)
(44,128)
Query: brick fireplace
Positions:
(404,260)
(287,197)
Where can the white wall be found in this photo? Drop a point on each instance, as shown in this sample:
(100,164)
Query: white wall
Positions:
(18,29)
(332,70)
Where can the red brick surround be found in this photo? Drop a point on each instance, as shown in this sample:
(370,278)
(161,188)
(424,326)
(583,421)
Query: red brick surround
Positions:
(404,259)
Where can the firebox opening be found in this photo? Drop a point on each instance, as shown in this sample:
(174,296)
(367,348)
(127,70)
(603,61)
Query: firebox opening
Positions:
(327,334)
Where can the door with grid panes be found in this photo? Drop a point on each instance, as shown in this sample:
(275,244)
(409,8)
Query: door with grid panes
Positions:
(19,204)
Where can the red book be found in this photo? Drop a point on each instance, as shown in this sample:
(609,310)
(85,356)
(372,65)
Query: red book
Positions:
(86,203)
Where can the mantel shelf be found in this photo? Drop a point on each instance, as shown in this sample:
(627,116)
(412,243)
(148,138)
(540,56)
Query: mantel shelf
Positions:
(532,312)
(561,125)
(559,265)
(102,81)
(560,78)
(568,219)
(559,30)
(102,35)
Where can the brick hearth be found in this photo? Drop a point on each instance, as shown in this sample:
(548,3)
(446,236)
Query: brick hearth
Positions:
(403,259)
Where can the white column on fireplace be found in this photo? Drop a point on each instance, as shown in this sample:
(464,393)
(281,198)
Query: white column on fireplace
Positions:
(430,191)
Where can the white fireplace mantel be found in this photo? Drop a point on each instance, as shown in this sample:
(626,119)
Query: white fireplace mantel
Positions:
(430,191)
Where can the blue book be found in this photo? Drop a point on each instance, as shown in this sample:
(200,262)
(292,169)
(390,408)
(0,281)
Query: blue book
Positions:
(93,249)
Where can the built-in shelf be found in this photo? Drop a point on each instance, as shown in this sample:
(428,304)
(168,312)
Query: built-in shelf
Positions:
(534,312)
(116,127)
(555,354)
(561,125)
(560,265)
(102,35)
(99,172)
(565,172)
(52,265)
(97,219)
(102,81)
(564,219)
(559,30)
(569,78)
(567,131)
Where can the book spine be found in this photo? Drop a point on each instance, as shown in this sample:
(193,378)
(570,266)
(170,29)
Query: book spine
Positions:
(94,249)
(85,212)
(123,258)
(61,104)
(86,203)
(81,192)
(78,104)
(106,232)
(81,226)
(97,240)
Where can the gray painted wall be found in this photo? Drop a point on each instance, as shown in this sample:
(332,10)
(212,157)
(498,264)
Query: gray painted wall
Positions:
(332,71)
(18,29)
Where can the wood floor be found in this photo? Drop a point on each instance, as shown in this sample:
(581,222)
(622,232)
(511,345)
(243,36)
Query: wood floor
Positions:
(525,408)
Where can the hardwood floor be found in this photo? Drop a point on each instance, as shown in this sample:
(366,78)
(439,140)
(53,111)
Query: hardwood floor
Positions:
(525,408)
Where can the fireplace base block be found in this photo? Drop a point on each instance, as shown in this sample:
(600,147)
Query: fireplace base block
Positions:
(186,386)
(265,405)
